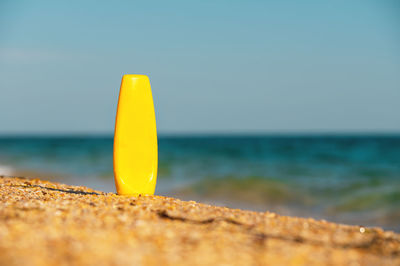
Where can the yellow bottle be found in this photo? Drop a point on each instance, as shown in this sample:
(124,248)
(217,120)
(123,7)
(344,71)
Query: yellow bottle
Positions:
(135,138)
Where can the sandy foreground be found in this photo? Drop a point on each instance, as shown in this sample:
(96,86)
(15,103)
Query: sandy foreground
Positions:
(45,223)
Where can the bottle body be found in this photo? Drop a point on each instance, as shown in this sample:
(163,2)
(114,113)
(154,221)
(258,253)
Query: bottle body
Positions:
(135,138)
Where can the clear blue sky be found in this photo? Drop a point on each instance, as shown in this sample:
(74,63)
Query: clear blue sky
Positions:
(214,66)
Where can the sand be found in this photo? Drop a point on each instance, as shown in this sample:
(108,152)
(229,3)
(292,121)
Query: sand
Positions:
(45,223)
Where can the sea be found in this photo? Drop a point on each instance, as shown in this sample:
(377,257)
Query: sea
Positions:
(345,179)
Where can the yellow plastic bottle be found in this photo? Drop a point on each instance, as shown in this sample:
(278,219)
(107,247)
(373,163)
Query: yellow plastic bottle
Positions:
(135,138)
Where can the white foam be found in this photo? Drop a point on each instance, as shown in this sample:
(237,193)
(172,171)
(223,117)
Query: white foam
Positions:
(6,170)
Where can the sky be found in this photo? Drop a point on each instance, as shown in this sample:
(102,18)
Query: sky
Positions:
(214,66)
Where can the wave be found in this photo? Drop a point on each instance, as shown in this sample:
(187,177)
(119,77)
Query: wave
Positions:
(6,170)
(374,204)
(251,189)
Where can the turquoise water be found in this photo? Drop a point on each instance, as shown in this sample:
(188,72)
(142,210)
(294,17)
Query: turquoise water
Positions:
(348,179)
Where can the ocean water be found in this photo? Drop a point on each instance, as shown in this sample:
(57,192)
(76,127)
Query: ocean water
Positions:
(346,179)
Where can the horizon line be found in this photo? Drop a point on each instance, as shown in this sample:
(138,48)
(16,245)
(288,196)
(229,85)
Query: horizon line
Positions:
(211,134)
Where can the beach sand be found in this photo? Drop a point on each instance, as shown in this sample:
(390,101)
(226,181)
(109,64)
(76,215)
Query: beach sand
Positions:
(45,223)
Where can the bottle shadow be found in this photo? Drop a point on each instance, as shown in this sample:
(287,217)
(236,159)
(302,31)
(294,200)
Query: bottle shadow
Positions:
(71,191)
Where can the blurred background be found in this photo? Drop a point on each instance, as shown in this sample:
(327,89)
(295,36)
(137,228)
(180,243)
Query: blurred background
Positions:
(286,106)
